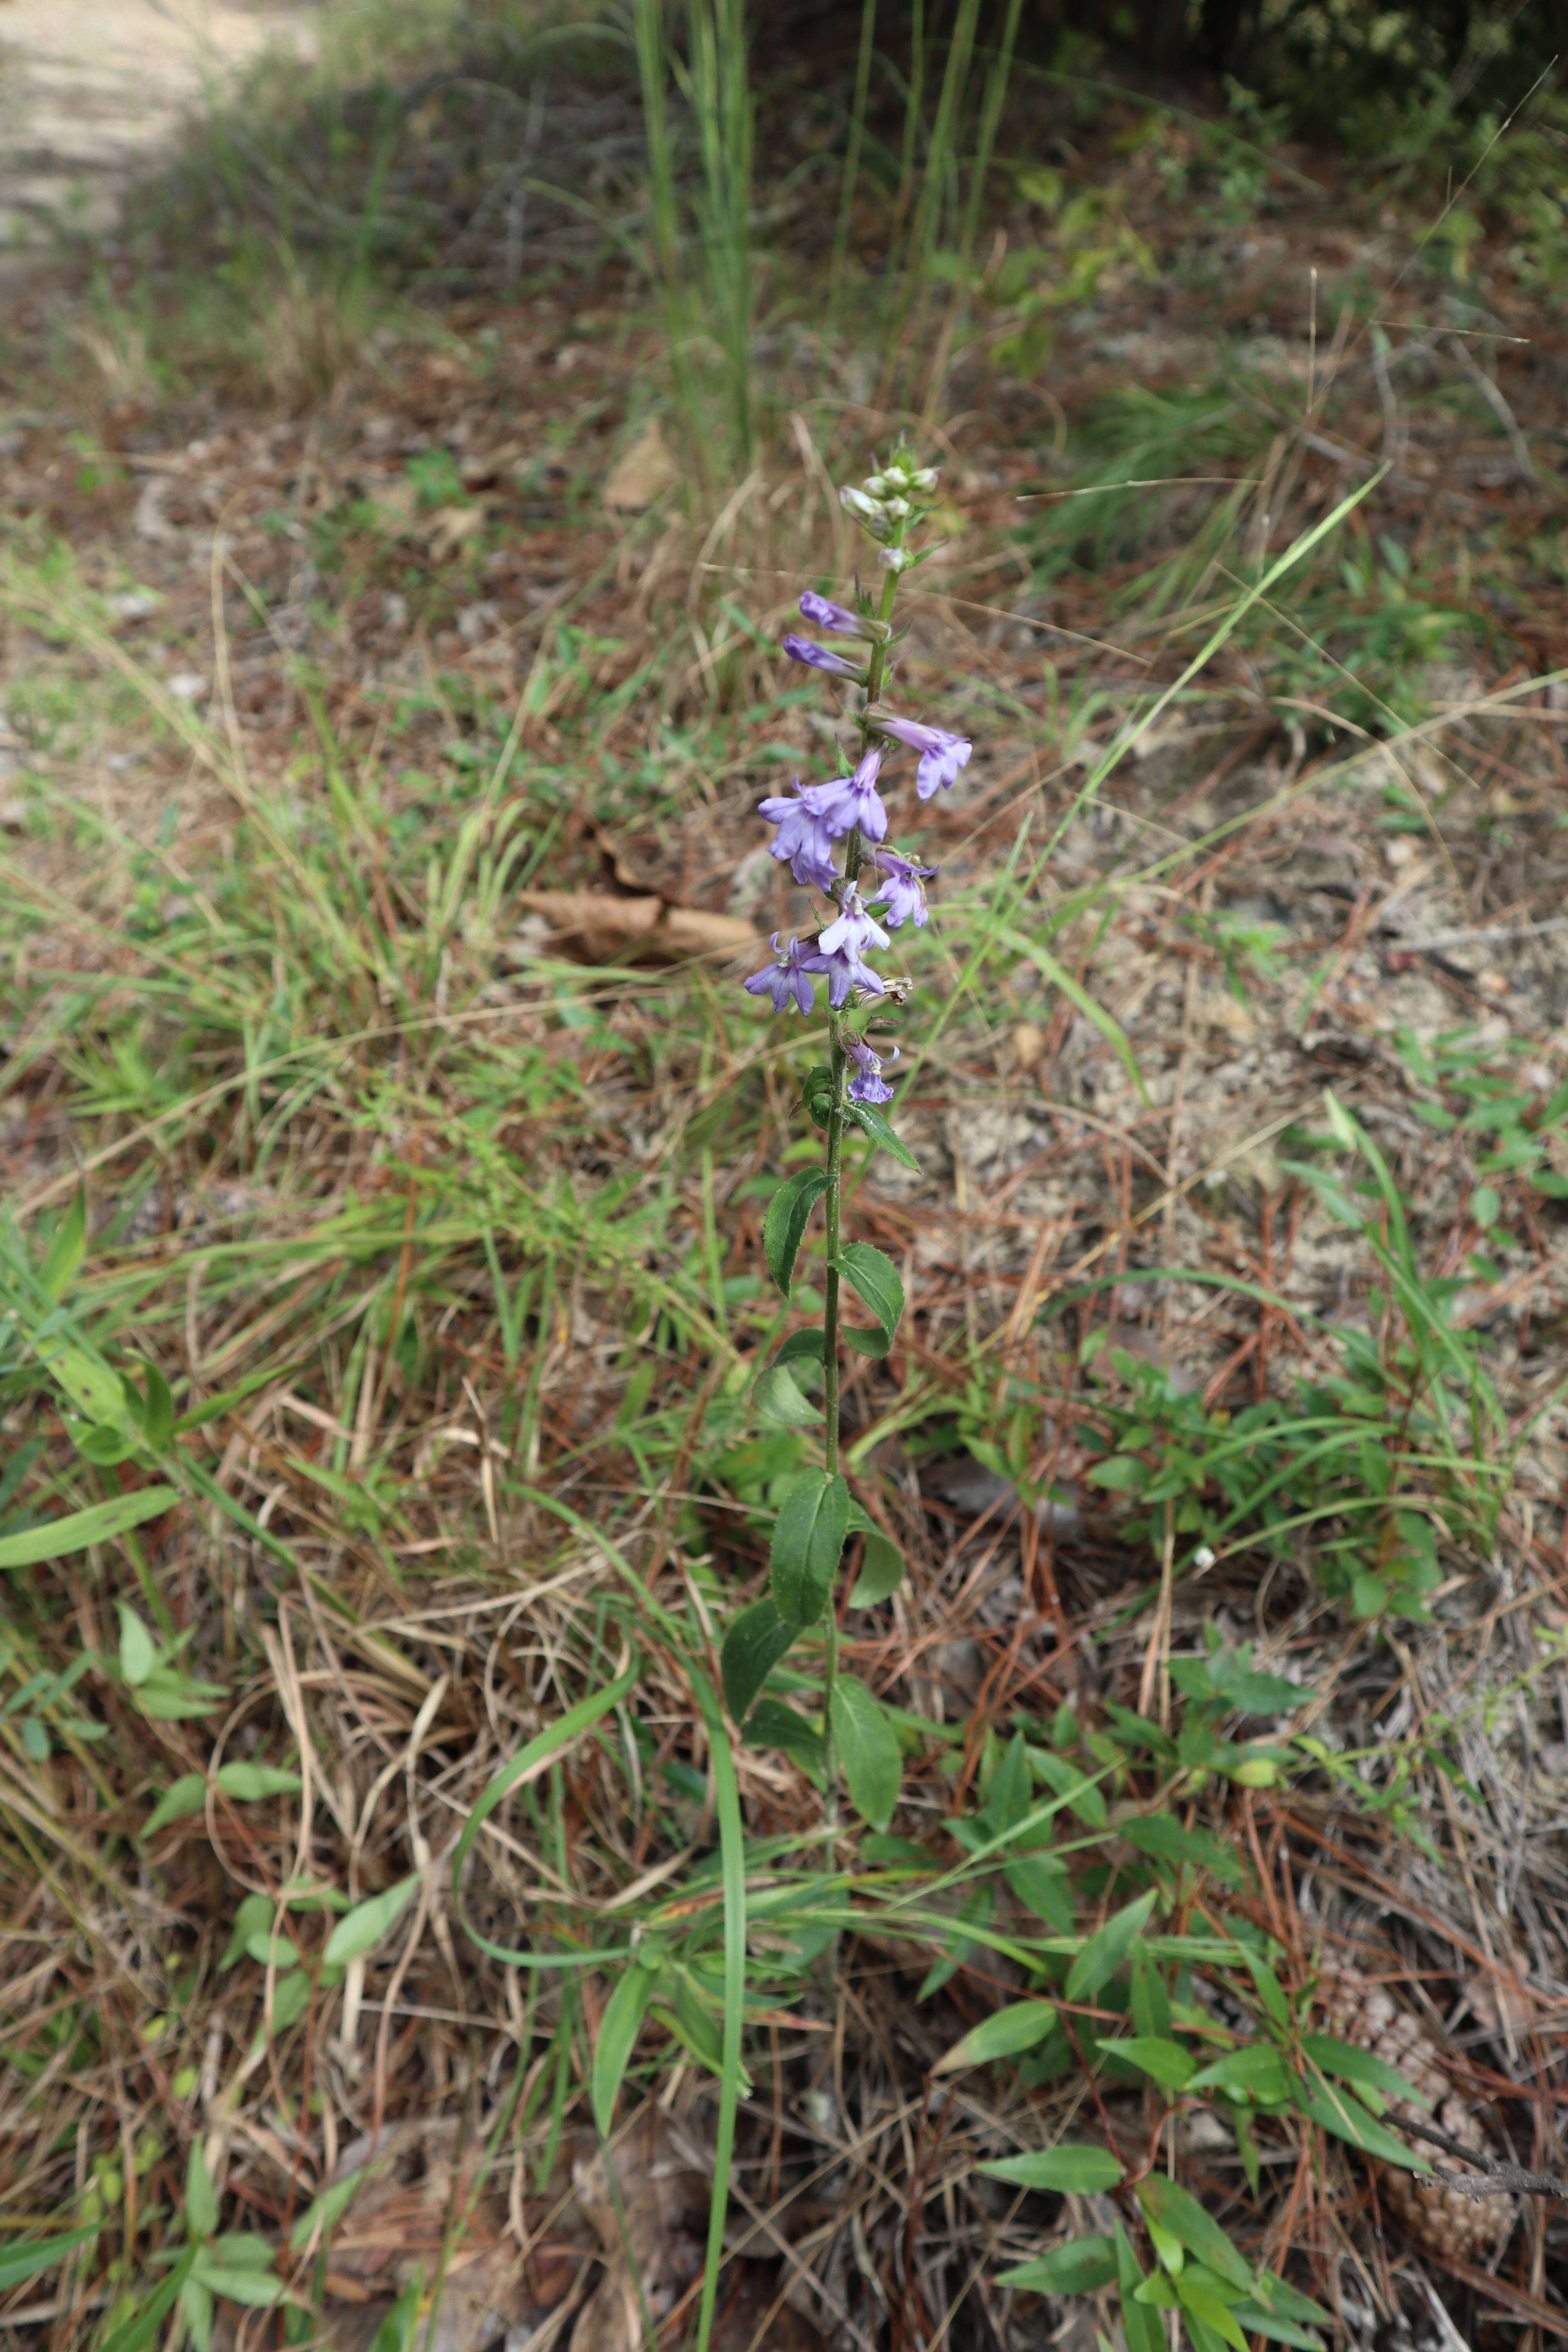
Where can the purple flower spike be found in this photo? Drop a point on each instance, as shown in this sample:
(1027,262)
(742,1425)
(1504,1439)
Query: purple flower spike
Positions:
(850,801)
(802,837)
(786,981)
(942,754)
(903,892)
(845,972)
(867,1086)
(800,649)
(855,929)
(835,618)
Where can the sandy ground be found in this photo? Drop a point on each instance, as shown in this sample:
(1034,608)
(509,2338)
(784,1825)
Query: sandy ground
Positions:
(91,88)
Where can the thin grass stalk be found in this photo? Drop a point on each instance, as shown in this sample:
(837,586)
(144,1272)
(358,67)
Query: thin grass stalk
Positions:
(653,76)
(915,262)
(995,96)
(852,151)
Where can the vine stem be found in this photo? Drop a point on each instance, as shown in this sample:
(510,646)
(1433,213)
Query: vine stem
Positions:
(854,859)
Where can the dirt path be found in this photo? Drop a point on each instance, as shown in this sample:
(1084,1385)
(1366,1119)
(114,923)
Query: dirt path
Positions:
(91,88)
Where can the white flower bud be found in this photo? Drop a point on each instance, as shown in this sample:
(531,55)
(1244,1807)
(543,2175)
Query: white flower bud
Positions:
(923,478)
(897,507)
(878,485)
(895,558)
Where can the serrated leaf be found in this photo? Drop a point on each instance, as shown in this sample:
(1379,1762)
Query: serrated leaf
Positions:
(868,1750)
(138,1654)
(1007,2031)
(1177,2211)
(201,2197)
(1081,2267)
(873,1277)
(362,1928)
(1105,1952)
(756,1640)
(99,1523)
(881,1571)
(188,1794)
(1073,2171)
(778,1396)
(248,1782)
(813,1522)
(784,1227)
(870,1120)
(618,2030)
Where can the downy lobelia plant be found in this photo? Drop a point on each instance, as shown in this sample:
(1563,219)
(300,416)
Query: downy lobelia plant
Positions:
(833,837)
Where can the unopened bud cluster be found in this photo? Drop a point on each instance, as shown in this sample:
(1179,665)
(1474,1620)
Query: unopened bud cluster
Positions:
(888,502)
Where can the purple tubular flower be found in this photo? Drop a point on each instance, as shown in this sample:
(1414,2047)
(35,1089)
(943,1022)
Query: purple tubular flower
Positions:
(786,981)
(942,754)
(802,837)
(835,618)
(867,1086)
(845,972)
(903,892)
(855,930)
(800,649)
(850,801)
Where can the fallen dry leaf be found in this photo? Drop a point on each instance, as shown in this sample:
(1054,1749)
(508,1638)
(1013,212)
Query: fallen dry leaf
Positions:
(651,2213)
(605,926)
(639,473)
(448,527)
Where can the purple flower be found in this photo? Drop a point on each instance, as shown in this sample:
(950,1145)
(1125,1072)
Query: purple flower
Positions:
(845,972)
(802,837)
(855,929)
(941,755)
(903,892)
(786,981)
(850,801)
(866,1085)
(836,618)
(800,649)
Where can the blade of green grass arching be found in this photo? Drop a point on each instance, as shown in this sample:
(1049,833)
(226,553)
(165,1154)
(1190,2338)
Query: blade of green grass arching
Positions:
(732,1873)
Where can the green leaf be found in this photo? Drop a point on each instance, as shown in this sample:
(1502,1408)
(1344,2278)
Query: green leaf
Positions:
(1166,2202)
(1166,2061)
(138,1655)
(1122,1473)
(753,1645)
(1079,996)
(784,1227)
(1081,2267)
(256,1912)
(273,1949)
(138,2330)
(259,2289)
(1041,1886)
(1142,2327)
(167,1696)
(1340,2113)
(196,2304)
(802,1346)
(1258,2068)
(875,1342)
(1017,2027)
(66,1251)
(290,1999)
(188,1794)
(247,1782)
(1074,2170)
(1208,2308)
(1086,1799)
(1258,2322)
(881,1571)
(1352,2066)
(201,2197)
(813,1522)
(772,1724)
(618,2030)
(99,1523)
(872,1274)
(868,1750)
(870,1119)
(364,1927)
(778,1396)
(1104,1952)
(1163,1840)
(24,2258)
(327,2209)
(156,1413)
